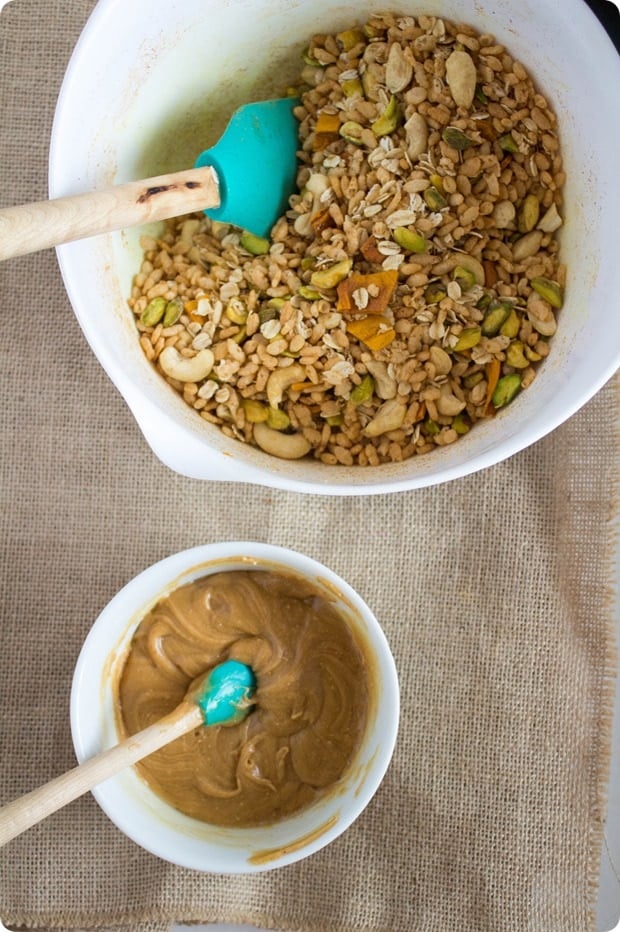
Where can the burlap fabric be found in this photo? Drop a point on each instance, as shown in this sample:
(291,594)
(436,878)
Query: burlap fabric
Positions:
(494,592)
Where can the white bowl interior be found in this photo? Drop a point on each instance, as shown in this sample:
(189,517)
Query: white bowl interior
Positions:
(150,821)
(180,71)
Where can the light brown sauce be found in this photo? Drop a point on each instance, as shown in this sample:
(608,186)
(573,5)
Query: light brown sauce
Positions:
(273,854)
(312,695)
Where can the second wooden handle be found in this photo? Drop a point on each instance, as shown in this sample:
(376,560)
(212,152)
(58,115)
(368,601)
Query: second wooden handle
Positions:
(23,813)
(31,227)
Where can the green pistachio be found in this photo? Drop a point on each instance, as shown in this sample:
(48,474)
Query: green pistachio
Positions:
(515,355)
(473,378)
(468,338)
(236,312)
(370,31)
(267,312)
(352,132)
(389,120)
(153,312)
(364,391)
(464,277)
(430,427)
(549,290)
(511,326)
(310,294)
(255,412)
(256,245)
(434,293)
(240,336)
(456,138)
(174,309)
(352,88)
(309,60)
(529,214)
(496,315)
(434,199)
(410,240)
(461,424)
(370,84)
(277,419)
(507,143)
(480,96)
(349,38)
(506,389)
(330,277)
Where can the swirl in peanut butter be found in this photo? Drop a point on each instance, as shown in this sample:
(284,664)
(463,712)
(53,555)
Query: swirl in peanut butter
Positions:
(311,699)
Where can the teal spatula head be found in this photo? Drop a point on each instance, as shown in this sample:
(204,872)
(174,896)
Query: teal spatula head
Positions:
(256,164)
(226,695)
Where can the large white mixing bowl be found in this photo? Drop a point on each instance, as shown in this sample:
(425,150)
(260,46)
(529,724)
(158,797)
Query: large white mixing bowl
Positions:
(151,84)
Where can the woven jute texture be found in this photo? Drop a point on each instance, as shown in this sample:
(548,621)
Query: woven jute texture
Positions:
(494,592)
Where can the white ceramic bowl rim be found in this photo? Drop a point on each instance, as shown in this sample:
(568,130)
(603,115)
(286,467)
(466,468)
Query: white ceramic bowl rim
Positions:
(127,800)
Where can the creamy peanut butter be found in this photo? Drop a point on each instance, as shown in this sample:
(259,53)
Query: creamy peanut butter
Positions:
(311,701)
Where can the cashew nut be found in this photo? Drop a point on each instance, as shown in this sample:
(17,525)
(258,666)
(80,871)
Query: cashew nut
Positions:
(461,78)
(527,246)
(540,315)
(390,416)
(448,404)
(280,379)
(551,221)
(416,132)
(440,360)
(385,385)
(184,368)
(285,446)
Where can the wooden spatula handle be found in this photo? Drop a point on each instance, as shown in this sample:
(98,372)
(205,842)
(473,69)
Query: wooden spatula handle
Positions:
(42,224)
(23,813)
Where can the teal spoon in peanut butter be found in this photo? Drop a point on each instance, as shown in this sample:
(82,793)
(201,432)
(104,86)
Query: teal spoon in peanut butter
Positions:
(223,696)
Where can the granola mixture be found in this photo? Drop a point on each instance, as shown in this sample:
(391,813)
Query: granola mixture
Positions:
(413,286)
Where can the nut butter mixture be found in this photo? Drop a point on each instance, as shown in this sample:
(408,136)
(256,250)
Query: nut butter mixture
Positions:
(314,691)
(412,288)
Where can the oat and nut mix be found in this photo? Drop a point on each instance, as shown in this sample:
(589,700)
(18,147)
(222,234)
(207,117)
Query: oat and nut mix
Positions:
(413,286)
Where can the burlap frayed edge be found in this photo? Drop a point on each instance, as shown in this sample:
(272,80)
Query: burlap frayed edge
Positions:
(610,672)
(147,926)
(156,921)
(155,925)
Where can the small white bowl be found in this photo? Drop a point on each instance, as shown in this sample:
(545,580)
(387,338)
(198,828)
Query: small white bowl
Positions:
(154,824)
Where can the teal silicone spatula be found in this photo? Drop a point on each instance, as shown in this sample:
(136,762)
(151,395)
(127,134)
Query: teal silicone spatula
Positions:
(224,697)
(245,179)
(255,161)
